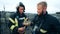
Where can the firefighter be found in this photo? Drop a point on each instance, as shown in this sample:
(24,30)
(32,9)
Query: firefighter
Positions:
(16,20)
(43,23)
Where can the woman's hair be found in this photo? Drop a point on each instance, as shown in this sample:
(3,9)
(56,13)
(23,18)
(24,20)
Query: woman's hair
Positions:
(20,5)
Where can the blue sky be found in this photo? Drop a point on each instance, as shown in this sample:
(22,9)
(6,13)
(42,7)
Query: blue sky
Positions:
(10,5)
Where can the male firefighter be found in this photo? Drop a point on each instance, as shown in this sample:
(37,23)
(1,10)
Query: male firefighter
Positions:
(43,23)
(16,20)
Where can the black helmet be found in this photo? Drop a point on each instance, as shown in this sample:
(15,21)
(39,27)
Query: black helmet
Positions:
(22,5)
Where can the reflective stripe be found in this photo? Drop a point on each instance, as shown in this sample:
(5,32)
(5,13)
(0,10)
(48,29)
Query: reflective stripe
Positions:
(11,20)
(12,27)
(43,31)
(14,22)
(21,18)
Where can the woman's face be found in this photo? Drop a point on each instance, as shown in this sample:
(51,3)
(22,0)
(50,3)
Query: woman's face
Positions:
(21,10)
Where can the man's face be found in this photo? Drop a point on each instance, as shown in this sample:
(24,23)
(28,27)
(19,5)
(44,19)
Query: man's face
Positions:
(21,9)
(39,9)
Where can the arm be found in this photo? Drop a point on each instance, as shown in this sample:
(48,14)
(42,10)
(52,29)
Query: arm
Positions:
(57,25)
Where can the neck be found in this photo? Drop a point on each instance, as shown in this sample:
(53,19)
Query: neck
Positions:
(44,12)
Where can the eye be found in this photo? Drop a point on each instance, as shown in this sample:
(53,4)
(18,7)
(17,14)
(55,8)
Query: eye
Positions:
(39,9)
(21,9)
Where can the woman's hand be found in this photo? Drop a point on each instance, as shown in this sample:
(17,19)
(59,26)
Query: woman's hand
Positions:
(21,29)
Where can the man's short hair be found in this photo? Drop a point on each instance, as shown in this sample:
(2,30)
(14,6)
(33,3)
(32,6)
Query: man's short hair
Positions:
(43,3)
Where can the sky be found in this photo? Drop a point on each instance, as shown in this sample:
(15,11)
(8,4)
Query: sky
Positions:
(10,5)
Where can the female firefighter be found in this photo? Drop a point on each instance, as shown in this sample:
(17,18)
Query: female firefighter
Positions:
(16,20)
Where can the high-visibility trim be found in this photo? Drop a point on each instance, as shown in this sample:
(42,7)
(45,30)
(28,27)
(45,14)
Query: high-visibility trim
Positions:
(16,22)
(43,31)
(12,27)
(11,20)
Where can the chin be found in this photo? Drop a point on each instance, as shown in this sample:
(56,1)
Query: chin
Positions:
(38,14)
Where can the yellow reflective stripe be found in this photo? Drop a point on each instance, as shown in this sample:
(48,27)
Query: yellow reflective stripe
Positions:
(12,27)
(43,31)
(16,22)
(11,20)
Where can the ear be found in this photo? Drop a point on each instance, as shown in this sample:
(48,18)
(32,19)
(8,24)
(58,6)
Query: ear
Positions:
(45,7)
